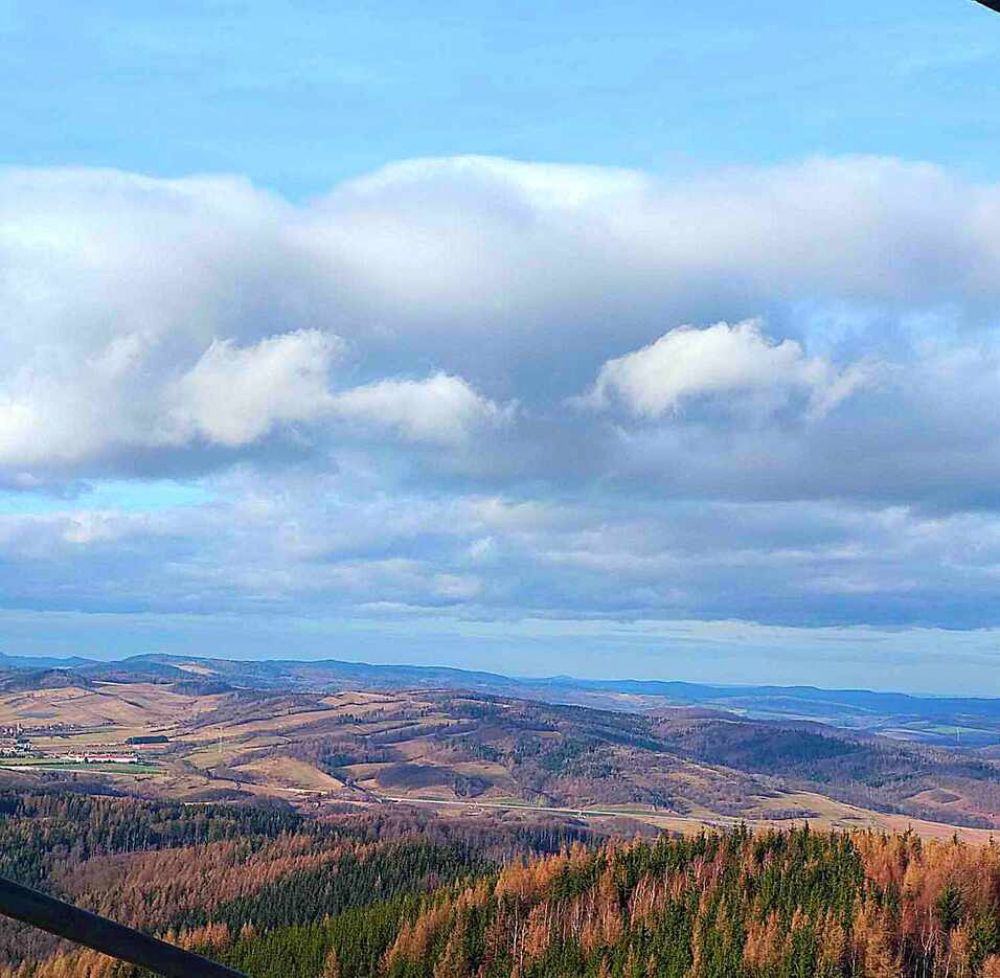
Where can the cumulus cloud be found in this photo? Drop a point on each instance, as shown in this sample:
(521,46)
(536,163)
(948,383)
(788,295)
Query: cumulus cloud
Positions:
(439,410)
(136,395)
(233,396)
(416,304)
(207,329)
(133,396)
(478,267)
(721,360)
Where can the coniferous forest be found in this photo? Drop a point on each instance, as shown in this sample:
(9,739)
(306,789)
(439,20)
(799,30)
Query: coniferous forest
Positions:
(278,895)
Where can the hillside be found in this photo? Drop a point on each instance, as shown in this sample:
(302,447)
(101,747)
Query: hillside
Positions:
(199,740)
(281,896)
(433,833)
(946,721)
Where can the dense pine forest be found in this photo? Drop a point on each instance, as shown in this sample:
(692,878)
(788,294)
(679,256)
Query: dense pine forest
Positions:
(278,895)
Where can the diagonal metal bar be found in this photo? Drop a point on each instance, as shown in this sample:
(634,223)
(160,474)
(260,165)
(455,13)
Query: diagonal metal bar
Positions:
(101,934)
(992,4)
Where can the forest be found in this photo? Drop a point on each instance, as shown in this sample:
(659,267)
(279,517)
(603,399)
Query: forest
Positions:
(407,895)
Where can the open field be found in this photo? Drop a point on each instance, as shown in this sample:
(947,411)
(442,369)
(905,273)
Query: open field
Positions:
(30,764)
(838,817)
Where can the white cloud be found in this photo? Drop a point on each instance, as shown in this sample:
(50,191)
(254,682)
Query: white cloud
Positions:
(130,397)
(439,410)
(545,185)
(161,326)
(136,394)
(736,361)
(203,327)
(127,303)
(235,395)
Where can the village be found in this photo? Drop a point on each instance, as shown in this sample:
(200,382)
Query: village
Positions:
(16,745)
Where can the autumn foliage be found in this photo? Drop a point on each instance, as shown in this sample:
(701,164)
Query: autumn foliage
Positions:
(282,898)
(769,905)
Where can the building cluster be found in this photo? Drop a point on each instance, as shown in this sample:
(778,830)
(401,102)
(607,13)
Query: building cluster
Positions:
(101,758)
(14,742)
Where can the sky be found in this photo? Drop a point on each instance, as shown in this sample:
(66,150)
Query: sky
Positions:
(634,339)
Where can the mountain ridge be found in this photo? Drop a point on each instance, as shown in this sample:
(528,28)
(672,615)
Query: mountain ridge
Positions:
(962,721)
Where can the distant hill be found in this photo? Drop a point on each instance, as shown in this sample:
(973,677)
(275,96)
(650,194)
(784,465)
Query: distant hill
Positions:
(26,679)
(963,722)
(41,662)
(463,747)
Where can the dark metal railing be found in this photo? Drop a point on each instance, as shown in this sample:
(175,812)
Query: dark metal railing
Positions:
(101,934)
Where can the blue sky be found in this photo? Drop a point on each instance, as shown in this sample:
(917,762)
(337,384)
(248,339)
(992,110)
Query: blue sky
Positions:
(299,96)
(631,339)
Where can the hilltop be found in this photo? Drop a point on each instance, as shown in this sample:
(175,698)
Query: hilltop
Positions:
(946,721)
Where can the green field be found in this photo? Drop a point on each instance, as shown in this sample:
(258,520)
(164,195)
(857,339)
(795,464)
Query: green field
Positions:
(50,764)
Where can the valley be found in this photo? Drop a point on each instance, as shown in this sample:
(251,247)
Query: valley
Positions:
(200,740)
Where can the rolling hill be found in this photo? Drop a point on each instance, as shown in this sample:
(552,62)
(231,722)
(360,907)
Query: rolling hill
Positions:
(954,722)
(671,766)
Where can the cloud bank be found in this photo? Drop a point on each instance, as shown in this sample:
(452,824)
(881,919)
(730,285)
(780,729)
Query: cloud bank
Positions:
(507,389)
